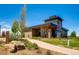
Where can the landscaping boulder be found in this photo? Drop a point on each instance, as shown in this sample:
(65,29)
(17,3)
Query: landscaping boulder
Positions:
(11,47)
(15,45)
(2,40)
(19,45)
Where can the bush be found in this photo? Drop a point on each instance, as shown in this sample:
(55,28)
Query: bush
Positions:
(14,36)
(35,46)
(29,45)
(48,52)
(1,45)
(25,42)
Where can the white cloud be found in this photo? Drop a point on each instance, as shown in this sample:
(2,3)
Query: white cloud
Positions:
(5,26)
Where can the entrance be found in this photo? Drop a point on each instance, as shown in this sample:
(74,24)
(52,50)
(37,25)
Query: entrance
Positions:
(35,32)
(53,33)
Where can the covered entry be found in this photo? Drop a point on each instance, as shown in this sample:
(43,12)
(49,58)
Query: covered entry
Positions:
(36,32)
(45,30)
(53,33)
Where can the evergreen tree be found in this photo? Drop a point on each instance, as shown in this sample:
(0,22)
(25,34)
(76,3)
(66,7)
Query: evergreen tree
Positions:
(73,34)
(15,27)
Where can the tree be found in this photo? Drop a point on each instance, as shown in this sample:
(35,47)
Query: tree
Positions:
(73,34)
(22,20)
(15,27)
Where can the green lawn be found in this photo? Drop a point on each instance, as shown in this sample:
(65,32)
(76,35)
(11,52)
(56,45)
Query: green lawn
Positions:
(56,41)
(36,38)
(63,42)
(74,43)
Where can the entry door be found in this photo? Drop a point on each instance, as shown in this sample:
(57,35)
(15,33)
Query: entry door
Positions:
(53,33)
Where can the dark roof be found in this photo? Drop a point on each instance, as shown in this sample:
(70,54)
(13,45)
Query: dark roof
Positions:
(27,29)
(64,29)
(43,25)
(40,25)
(53,18)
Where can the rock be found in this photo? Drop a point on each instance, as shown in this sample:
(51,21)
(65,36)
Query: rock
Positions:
(19,45)
(15,45)
(11,47)
(14,50)
(2,40)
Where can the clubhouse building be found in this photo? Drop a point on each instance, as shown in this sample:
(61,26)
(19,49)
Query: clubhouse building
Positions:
(51,28)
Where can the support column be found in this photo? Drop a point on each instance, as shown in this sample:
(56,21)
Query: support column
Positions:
(49,33)
(7,37)
(41,32)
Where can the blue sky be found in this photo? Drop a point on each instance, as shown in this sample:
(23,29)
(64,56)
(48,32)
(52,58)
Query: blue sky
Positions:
(9,13)
(36,14)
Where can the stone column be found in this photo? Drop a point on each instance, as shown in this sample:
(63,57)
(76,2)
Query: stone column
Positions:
(49,33)
(7,37)
(42,32)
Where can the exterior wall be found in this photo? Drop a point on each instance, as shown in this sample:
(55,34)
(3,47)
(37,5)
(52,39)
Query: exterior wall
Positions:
(58,33)
(59,26)
(64,33)
(28,34)
(42,32)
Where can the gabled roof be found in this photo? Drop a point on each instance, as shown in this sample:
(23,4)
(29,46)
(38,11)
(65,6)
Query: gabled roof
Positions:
(53,18)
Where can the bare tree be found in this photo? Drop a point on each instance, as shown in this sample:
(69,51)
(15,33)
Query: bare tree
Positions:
(22,20)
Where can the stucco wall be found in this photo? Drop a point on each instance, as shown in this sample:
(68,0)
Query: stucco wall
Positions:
(28,34)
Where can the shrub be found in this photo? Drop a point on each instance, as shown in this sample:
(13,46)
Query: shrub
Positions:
(48,52)
(35,46)
(25,42)
(14,36)
(1,45)
(29,45)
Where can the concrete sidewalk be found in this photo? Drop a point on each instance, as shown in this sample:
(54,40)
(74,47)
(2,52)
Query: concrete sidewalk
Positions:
(54,47)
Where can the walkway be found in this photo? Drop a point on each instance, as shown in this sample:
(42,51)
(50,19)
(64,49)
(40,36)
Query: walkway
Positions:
(54,47)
